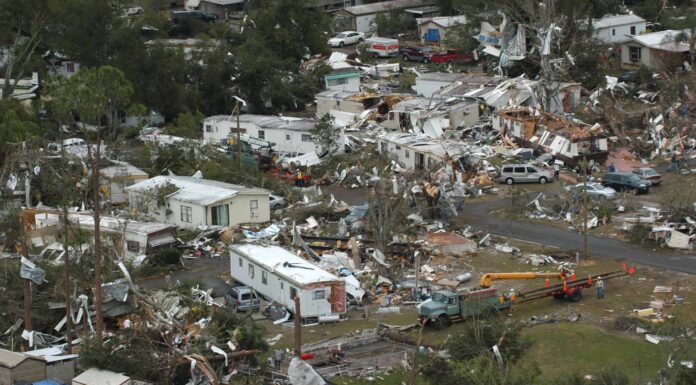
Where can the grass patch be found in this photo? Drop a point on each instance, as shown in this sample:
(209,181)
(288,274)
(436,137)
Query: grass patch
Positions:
(564,348)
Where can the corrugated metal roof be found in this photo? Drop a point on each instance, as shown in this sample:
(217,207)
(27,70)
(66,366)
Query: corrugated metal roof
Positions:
(280,261)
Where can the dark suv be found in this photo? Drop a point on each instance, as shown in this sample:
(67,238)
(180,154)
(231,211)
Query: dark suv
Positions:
(424,54)
(621,181)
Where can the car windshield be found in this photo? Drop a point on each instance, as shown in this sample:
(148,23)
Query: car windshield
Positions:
(634,178)
(649,172)
(341,35)
(439,297)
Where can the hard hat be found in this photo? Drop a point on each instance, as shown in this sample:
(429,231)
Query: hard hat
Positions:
(599,277)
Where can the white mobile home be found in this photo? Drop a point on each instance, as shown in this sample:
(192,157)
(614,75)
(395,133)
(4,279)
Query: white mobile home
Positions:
(617,29)
(418,152)
(280,275)
(288,135)
(190,202)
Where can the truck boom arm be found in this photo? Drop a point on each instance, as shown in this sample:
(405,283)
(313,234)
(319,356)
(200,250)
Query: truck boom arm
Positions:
(487,279)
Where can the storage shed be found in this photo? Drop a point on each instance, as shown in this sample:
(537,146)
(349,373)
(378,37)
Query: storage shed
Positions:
(279,275)
(16,367)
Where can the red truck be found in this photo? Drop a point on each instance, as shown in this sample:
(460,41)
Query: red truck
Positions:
(452,55)
(428,55)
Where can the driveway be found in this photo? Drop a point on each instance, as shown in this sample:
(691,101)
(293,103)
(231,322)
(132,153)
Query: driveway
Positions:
(479,215)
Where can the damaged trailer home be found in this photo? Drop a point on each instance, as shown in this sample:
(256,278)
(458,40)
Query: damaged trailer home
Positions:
(279,275)
(419,152)
(566,139)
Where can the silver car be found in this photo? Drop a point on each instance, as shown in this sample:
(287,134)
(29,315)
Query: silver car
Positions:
(242,298)
(521,173)
(594,191)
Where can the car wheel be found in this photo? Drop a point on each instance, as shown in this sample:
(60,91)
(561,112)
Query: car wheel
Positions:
(542,180)
(633,191)
(340,44)
(360,40)
(442,322)
(275,207)
(426,60)
(603,198)
(510,181)
(406,58)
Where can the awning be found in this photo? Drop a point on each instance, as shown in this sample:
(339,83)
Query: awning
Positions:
(160,240)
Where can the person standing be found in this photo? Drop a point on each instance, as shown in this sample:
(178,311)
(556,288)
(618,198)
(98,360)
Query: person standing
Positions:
(600,287)
(556,171)
(673,162)
(612,168)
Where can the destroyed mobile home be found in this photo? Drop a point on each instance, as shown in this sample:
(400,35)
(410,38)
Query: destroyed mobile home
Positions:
(362,216)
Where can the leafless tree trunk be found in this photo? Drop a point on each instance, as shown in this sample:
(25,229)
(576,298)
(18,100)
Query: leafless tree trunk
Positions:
(18,57)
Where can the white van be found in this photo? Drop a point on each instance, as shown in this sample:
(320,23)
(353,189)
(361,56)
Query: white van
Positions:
(382,46)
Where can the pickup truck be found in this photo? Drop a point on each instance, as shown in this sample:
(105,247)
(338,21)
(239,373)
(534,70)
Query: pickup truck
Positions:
(428,55)
(423,54)
(452,55)
(447,306)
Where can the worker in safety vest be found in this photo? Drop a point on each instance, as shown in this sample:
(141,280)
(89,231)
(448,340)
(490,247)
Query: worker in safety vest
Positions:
(600,288)
(299,181)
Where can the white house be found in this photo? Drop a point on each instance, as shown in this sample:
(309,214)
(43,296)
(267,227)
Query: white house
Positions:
(418,152)
(361,17)
(434,29)
(280,275)
(617,29)
(289,135)
(115,178)
(657,50)
(190,202)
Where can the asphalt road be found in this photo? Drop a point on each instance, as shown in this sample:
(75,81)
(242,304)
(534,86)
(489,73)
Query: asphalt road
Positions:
(479,215)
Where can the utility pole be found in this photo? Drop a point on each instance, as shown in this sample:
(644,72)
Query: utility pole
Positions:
(66,284)
(27,282)
(584,165)
(239,137)
(298,327)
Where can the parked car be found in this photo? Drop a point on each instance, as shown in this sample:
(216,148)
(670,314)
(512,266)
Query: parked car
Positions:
(423,54)
(520,173)
(276,202)
(594,191)
(178,16)
(347,38)
(626,181)
(650,174)
(242,298)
